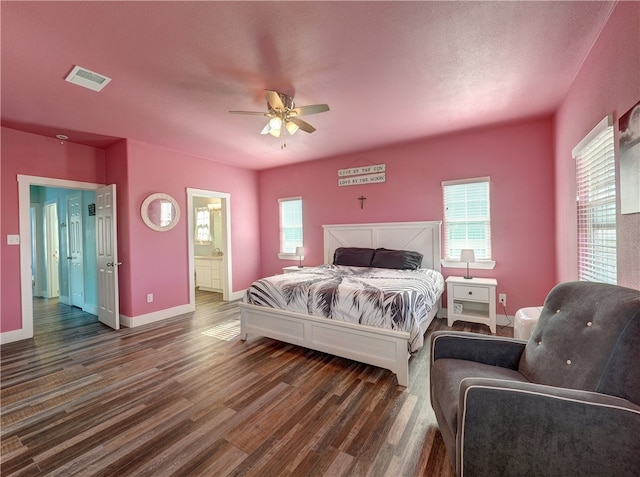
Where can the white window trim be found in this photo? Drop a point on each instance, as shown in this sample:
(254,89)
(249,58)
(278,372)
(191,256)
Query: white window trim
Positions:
(482,264)
(606,123)
(282,255)
(288,256)
(601,126)
(466,181)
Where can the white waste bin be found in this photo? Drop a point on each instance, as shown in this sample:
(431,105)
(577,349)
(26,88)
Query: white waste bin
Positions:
(525,321)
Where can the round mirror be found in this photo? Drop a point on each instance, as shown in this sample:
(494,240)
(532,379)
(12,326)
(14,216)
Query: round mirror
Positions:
(160,212)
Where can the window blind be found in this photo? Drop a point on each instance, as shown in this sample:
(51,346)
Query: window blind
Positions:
(290,224)
(596,205)
(467,222)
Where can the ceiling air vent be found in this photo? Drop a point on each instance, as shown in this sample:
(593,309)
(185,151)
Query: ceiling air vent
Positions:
(87,78)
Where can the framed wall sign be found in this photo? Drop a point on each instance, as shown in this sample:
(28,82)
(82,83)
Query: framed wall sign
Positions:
(373,174)
(360,180)
(356,171)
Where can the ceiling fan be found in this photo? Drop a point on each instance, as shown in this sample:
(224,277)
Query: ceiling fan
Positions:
(283,114)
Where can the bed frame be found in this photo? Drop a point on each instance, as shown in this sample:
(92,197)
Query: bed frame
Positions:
(387,349)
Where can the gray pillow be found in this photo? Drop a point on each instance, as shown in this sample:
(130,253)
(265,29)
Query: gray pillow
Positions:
(397,259)
(353,256)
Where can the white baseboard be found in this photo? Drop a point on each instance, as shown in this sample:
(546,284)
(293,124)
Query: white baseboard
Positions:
(64,300)
(237,295)
(501,319)
(131,322)
(15,335)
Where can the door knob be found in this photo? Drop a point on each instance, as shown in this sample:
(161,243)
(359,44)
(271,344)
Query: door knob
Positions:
(112,264)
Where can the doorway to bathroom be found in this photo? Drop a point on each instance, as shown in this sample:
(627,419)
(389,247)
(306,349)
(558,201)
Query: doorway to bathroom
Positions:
(209,246)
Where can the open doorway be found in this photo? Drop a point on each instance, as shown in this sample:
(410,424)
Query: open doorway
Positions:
(63,246)
(29,252)
(209,246)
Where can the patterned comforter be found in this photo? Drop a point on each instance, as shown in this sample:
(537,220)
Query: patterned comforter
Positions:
(391,299)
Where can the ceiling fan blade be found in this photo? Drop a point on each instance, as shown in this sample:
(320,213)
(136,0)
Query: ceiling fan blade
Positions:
(274,100)
(305,126)
(311,109)
(254,113)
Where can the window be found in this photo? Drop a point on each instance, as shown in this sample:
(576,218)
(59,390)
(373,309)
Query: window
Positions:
(290,225)
(467,221)
(203,225)
(596,205)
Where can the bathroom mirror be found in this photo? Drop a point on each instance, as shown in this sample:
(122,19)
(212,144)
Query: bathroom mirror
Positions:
(160,212)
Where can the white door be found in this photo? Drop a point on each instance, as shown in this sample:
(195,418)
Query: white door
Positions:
(75,256)
(53,258)
(107,251)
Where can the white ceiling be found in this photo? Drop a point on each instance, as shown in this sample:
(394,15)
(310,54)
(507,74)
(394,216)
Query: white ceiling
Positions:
(390,71)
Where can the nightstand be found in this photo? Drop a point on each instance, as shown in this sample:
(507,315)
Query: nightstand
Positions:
(473,300)
(293,268)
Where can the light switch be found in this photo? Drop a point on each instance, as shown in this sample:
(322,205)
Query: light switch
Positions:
(13,239)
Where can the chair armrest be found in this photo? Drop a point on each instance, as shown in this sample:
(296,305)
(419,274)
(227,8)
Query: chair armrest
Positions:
(486,349)
(514,428)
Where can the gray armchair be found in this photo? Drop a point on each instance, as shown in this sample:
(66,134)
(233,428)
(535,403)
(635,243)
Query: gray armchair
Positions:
(565,403)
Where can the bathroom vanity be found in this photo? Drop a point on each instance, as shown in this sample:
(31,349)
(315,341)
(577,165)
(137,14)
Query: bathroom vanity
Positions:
(209,273)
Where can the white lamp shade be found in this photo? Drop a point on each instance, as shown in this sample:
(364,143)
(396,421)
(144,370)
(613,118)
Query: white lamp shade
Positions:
(274,132)
(299,251)
(291,127)
(467,255)
(275,123)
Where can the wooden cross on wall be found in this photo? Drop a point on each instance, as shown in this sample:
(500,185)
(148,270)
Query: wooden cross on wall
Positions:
(362,199)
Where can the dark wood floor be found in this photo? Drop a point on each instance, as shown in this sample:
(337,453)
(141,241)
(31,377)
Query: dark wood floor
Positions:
(186,397)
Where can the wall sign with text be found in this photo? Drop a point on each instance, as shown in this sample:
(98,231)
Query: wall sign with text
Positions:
(362,175)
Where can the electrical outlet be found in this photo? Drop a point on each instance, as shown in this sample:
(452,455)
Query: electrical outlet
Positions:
(502,298)
(13,240)
(149,297)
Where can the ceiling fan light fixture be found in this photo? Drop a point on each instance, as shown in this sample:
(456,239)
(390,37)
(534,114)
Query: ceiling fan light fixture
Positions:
(275,132)
(291,127)
(275,123)
(281,109)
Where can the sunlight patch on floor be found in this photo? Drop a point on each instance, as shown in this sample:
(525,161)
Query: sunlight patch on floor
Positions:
(225,330)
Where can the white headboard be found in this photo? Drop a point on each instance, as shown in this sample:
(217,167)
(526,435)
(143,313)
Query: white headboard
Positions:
(422,237)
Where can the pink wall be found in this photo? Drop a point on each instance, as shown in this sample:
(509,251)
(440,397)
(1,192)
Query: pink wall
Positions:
(30,154)
(608,83)
(118,174)
(518,157)
(152,262)
(157,262)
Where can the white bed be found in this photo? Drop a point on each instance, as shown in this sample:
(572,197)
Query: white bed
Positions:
(388,349)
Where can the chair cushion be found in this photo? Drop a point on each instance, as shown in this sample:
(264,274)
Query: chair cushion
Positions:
(446,375)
